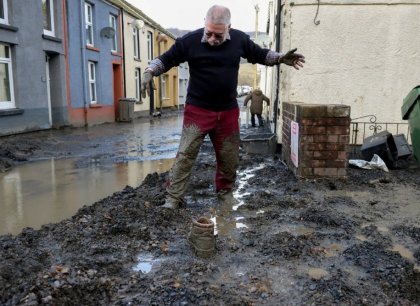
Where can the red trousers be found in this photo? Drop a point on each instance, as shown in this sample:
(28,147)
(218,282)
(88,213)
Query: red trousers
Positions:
(223,129)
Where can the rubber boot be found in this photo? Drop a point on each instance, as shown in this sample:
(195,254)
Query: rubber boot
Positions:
(171,203)
(201,237)
(226,200)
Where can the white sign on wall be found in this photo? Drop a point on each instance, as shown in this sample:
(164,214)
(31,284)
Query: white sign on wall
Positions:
(294,142)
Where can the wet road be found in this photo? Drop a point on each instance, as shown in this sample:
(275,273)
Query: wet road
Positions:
(81,166)
(93,164)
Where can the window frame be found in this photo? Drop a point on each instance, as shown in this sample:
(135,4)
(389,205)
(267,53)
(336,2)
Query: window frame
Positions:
(51,17)
(89,24)
(4,19)
(8,61)
(136,43)
(93,95)
(149,46)
(137,83)
(164,82)
(113,24)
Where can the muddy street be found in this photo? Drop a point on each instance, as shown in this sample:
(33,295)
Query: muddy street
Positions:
(354,241)
(57,172)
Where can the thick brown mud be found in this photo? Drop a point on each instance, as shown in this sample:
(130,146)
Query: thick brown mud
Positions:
(353,241)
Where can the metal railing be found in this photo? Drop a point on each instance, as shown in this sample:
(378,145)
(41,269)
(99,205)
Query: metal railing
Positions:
(365,126)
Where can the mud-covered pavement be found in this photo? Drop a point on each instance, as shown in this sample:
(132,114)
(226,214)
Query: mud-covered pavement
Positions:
(354,241)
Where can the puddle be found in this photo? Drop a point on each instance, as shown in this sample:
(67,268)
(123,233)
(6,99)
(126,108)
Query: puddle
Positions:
(361,238)
(317,273)
(333,249)
(243,180)
(404,252)
(224,226)
(145,263)
(49,191)
(297,230)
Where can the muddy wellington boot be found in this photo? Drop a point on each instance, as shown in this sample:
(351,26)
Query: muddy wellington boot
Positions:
(172,203)
(226,199)
(201,237)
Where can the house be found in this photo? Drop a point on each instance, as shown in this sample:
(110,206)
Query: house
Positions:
(361,53)
(143,40)
(95,62)
(32,65)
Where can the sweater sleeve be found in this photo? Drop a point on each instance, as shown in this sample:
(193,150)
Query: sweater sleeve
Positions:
(254,53)
(171,58)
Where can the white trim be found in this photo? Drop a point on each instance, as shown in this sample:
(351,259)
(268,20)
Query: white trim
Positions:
(89,24)
(93,98)
(8,61)
(164,87)
(137,83)
(113,24)
(48,80)
(51,16)
(136,43)
(5,19)
(149,45)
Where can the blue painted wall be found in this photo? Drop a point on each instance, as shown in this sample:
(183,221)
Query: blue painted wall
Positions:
(29,47)
(79,54)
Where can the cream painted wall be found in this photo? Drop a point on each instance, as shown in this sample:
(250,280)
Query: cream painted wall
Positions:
(131,64)
(365,54)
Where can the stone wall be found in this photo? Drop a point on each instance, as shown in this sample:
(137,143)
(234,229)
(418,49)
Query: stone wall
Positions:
(318,144)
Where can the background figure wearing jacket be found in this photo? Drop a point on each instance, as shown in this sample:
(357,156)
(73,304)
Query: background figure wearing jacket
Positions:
(257,99)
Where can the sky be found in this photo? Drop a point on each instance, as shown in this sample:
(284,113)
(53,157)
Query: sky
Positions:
(189,14)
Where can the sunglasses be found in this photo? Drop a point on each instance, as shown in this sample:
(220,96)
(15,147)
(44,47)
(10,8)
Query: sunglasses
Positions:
(216,35)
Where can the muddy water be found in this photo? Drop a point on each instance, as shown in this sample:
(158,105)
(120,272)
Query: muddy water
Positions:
(49,191)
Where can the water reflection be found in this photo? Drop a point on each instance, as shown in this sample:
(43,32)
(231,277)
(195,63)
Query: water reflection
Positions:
(49,191)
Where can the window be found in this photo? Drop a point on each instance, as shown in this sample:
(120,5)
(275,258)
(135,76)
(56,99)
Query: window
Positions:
(113,24)
(163,82)
(149,46)
(89,24)
(137,83)
(3,11)
(136,43)
(6,78)
(48,17)
(92,82)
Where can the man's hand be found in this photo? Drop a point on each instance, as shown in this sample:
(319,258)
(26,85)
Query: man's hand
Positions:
(292,59)
(147,84)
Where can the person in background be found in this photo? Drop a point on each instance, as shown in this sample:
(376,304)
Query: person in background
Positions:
(213,54)
(257,99)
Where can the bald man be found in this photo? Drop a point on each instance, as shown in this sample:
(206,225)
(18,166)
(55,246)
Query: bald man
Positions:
(213,54)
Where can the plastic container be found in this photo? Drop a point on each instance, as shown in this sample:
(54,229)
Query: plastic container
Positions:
(265,143)
(126,109)
(383,145)
(411,112)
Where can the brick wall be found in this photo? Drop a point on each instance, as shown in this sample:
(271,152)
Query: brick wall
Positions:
(322,142)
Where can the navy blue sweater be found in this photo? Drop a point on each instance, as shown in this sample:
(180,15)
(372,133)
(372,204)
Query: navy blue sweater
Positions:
(213,69)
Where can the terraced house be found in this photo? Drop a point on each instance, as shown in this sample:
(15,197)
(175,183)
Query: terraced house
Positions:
(32,65)
(68,63)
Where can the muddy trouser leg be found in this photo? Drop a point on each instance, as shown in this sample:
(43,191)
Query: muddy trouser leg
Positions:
(260,120)
(225,139)
(252,119)
(193,133)
(191,140)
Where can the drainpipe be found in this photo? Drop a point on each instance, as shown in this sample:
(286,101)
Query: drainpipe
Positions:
(83,55)
(123,52)
(278,27)
(160,38)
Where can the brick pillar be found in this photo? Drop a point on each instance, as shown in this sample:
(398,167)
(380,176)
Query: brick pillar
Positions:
(316,137)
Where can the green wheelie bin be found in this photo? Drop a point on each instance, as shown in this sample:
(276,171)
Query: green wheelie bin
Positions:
(411,112)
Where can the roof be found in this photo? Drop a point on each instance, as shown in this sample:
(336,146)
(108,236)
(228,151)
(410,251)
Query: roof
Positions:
(138,14)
